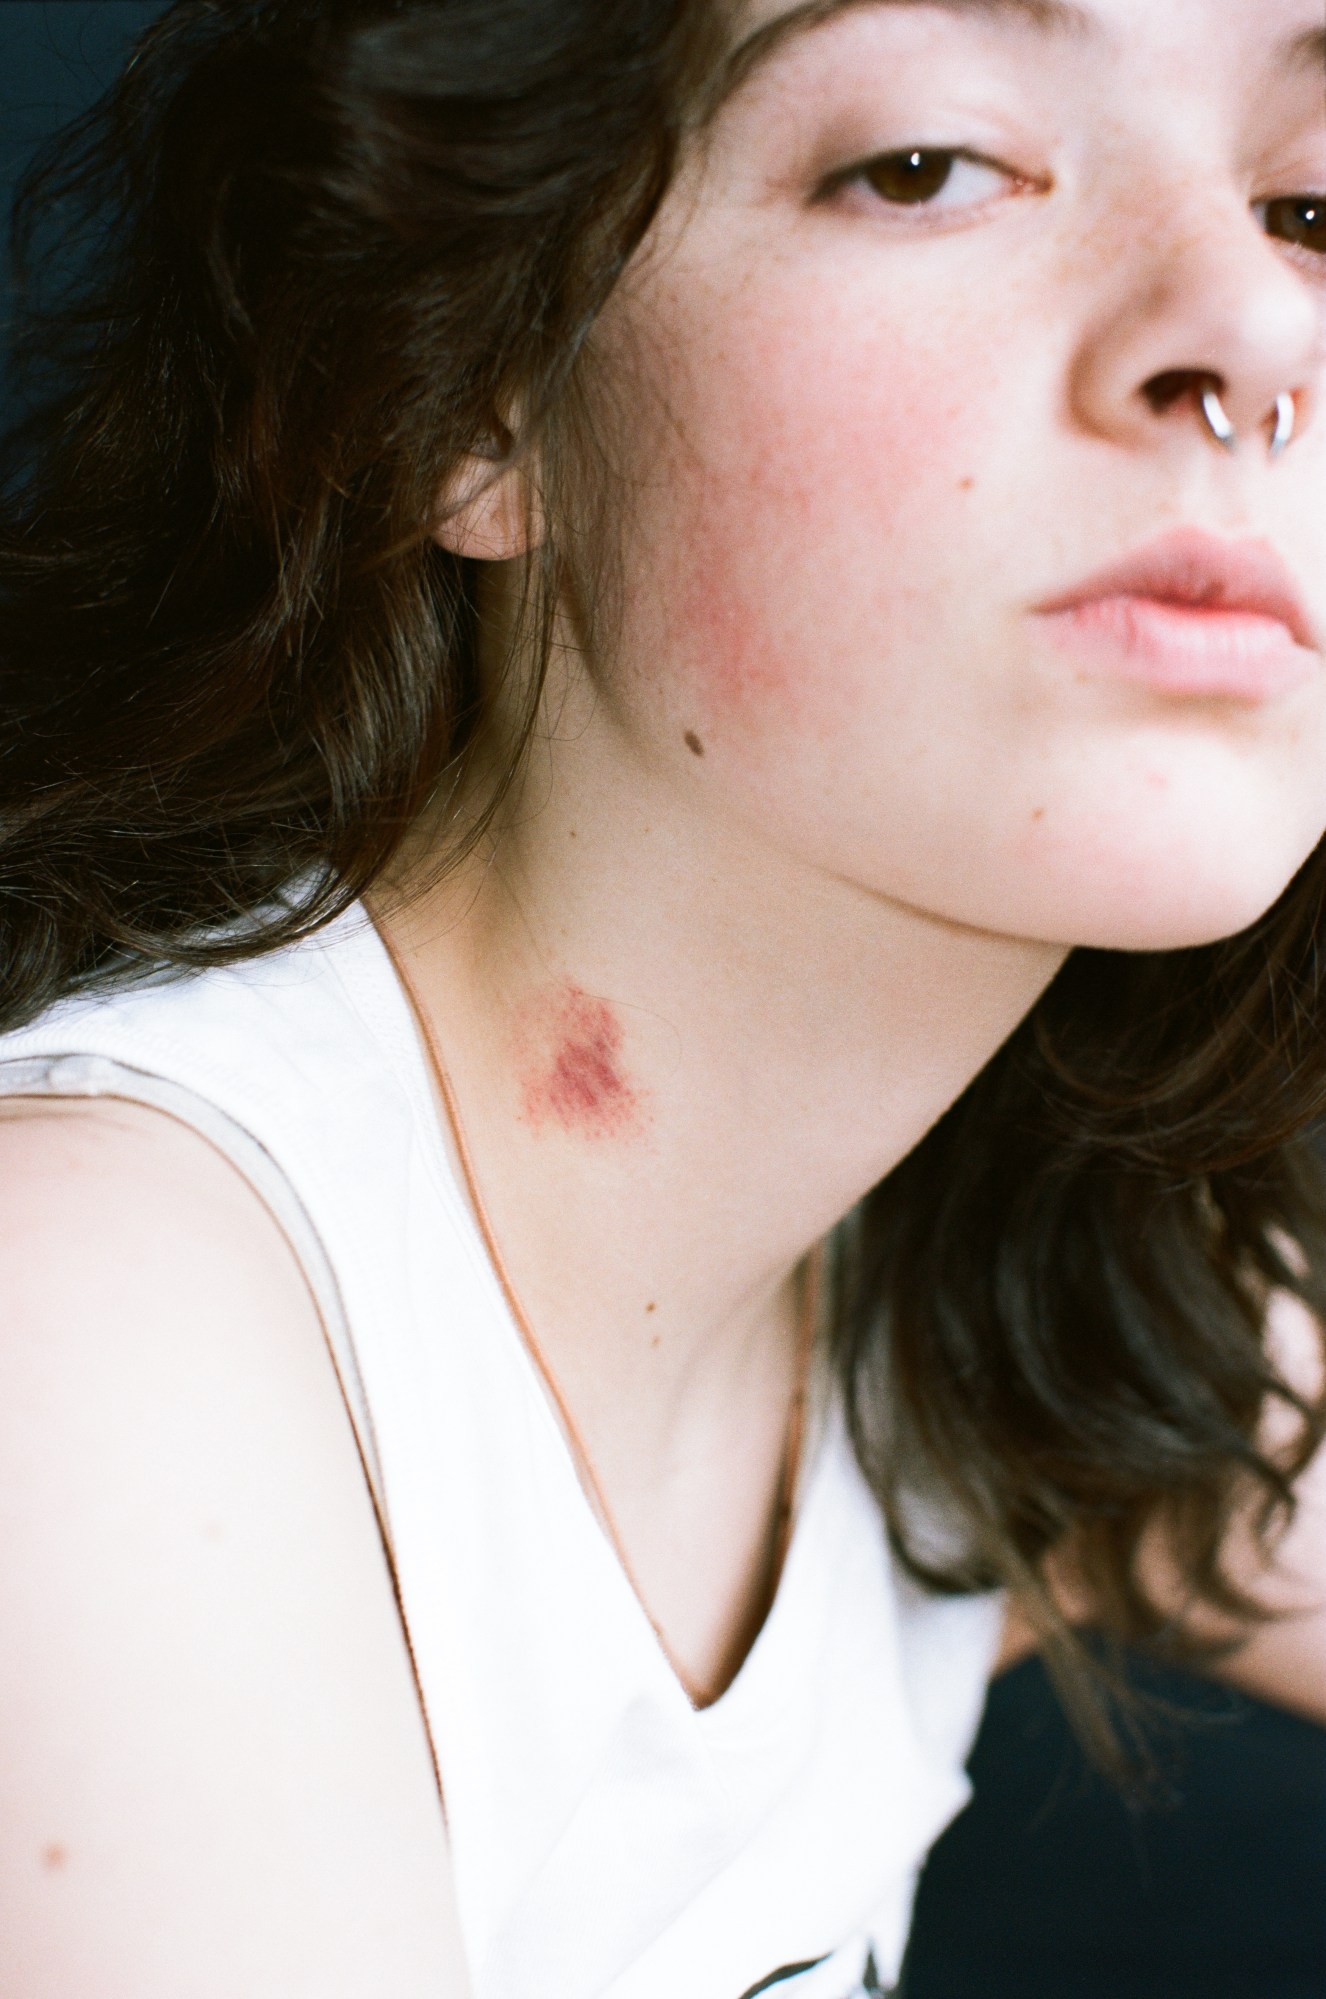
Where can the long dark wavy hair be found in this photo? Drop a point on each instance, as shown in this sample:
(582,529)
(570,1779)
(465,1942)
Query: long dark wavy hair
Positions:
(329,246)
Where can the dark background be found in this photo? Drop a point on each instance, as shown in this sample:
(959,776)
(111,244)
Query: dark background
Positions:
(1050,1886)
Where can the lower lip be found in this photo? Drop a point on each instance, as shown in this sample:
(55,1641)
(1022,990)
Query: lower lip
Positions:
(1185,651)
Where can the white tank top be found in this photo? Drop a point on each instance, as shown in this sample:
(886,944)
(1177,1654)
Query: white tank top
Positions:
(608,1838)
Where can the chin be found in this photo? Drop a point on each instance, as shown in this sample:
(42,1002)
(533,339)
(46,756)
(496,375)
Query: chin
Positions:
(1168,910)
(1176,852)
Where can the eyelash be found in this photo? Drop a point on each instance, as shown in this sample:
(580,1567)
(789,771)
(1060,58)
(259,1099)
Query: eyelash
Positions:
(1303,216)
(1299,212)
(920,164)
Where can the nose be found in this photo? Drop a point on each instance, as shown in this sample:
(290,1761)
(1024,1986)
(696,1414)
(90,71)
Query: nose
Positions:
(1210,304)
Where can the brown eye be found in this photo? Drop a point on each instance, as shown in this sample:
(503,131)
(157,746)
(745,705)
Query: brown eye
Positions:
(1299,219)
(910,178)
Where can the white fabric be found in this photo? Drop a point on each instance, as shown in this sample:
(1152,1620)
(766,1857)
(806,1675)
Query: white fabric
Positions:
(608,1839)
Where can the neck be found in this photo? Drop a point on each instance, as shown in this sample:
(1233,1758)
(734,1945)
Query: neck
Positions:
(681,1058)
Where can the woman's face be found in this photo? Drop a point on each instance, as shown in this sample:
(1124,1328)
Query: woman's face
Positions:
(916,349)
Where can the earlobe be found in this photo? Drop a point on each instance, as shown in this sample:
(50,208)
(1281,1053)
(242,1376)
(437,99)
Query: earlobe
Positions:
(486,512)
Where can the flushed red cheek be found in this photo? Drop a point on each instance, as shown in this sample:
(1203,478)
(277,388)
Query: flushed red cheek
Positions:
(737,657)
(800,542)
(571,1066)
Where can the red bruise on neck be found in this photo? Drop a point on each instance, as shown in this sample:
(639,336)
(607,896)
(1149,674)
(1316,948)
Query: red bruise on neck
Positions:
(569,1056)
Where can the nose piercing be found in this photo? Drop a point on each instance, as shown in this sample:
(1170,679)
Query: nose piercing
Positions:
(1286,420)
(1222,430)
(1217,419)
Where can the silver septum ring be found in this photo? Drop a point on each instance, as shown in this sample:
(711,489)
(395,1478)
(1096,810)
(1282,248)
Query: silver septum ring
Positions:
(1217,419)
(1284,420)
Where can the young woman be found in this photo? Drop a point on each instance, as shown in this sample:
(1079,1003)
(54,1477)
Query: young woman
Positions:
(665,765)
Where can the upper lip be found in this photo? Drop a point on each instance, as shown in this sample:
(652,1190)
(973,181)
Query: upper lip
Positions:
(1205,572)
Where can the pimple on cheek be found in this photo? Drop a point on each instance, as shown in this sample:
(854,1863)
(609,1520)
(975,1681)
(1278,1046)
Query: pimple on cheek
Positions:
(570,1064)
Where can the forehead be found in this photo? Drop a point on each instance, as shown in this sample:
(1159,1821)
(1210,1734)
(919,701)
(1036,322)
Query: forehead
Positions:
(1292,33)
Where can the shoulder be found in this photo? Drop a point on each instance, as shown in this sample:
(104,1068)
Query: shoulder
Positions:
(83,1178)
(132,1251)
(1281,1657)
(1284,1658)
(215,1776)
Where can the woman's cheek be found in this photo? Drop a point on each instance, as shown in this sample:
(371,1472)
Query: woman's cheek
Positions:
(803,541)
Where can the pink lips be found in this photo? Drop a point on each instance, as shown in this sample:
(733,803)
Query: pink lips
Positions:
(1195,616)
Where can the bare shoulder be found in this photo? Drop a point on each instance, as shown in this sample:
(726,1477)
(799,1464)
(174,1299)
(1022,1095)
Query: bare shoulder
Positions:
(76,1173)
(1283,1658)
(213,1773)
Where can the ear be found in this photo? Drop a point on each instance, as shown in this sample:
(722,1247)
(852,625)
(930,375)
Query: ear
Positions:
(485,511)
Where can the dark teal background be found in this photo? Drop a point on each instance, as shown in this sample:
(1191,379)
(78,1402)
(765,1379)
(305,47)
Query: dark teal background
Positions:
(1049,1887)
(56,56)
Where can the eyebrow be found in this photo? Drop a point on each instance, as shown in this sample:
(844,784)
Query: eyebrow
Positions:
(1308,50)
(1055,17)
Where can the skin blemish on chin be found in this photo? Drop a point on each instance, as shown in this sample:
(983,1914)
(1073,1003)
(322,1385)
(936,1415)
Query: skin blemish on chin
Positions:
(571,1071)
(54,1857)
(693,743)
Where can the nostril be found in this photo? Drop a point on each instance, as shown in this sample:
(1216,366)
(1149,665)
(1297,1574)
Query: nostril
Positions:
(1176,384)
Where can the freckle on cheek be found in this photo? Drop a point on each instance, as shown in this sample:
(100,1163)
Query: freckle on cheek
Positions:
(571,1069)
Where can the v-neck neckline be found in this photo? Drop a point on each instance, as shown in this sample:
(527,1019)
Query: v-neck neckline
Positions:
(439,1114)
